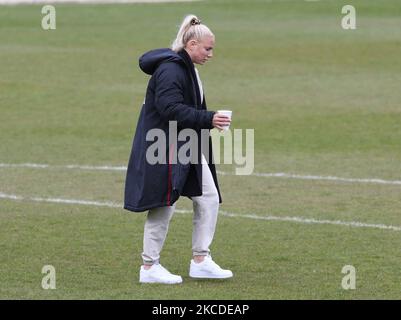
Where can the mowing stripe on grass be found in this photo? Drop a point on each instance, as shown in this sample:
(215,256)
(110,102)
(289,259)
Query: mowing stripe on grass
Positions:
(15,2)
(354,224)
(263,175)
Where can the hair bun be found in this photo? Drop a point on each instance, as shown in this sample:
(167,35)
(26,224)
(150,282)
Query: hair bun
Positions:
(195,21)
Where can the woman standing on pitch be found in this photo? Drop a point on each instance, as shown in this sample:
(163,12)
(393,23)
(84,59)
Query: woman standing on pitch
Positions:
(175,95)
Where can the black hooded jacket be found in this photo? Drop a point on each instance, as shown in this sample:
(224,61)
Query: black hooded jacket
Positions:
(172,95)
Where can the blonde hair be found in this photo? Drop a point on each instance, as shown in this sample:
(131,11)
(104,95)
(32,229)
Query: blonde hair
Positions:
(191,28)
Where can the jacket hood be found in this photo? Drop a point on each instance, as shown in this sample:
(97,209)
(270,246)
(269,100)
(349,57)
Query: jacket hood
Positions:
(150,60)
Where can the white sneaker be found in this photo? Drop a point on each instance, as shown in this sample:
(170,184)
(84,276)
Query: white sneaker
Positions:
(158,274)
(208,269)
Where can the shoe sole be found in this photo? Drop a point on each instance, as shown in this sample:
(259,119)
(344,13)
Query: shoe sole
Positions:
(155,281)
(150,280)
(209,277)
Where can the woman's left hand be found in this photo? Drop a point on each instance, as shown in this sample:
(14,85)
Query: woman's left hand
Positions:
(220,121)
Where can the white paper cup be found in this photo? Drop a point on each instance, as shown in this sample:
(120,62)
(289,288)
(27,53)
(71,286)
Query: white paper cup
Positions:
(227,113)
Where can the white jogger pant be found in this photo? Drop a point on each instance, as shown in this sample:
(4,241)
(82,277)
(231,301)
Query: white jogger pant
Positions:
(205,208)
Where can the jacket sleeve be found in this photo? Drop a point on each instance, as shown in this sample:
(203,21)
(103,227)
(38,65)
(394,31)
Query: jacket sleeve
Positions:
(169,99)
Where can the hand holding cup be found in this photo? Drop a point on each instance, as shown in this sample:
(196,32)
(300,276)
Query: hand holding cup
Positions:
(222,119)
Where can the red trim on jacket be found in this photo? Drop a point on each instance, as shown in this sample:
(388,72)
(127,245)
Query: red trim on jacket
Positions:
(169,186)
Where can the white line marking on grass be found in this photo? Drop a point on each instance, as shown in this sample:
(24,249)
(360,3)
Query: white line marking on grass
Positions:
(329,178)
(105,168)
(354,224)
(10,196)
(24,165)
(263,175)
(58,200)
(313,221)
